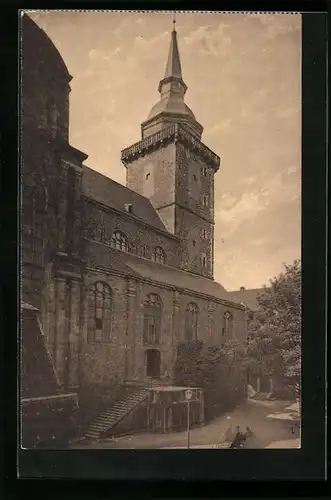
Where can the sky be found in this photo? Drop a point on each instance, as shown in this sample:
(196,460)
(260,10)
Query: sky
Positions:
(243,73)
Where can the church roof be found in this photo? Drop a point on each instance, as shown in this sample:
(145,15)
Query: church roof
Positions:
(247,297)
(176,277)
(100,254)
(40,49)
(28,307)
(100,188)
(170,105)
(172,89)
(173,67)
(132,265)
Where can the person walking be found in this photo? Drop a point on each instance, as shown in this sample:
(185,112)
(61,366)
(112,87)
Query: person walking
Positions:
(239,439)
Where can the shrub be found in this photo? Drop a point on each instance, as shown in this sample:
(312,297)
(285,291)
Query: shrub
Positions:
(219,372)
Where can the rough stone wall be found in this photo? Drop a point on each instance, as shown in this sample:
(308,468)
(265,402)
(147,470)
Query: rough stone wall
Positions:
(102,362)
(193,246)
(194,221)
(180,186)
(101,224)
(153,176)
(166,331)
(174,306)
(194,179)
(45,83)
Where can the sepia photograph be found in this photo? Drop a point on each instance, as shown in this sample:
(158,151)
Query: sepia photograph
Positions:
(160,229)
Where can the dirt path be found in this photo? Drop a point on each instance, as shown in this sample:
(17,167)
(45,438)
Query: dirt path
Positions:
(249,413)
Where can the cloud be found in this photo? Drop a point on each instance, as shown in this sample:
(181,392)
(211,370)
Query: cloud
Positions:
(247,101)
(221,126)
(210,40)
(197,35)
(248,206)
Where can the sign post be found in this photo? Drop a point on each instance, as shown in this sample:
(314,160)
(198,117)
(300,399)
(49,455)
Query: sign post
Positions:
(188,396)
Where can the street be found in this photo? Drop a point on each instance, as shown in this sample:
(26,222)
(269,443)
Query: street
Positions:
(214,435)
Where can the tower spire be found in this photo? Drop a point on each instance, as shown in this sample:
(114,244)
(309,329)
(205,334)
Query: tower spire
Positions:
(173,67)
(171,106)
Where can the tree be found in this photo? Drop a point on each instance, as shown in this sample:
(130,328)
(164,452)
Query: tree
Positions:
(274,336)
(218,371)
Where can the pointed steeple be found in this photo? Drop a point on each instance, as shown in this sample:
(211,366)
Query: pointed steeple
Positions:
(171,107)
(173,67)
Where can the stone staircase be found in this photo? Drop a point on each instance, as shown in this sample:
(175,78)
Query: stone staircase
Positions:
(107,420)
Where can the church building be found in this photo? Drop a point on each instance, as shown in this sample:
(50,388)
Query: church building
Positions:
(121,275)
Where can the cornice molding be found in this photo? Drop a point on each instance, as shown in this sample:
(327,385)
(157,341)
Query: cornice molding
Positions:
(175,133)
(160,284)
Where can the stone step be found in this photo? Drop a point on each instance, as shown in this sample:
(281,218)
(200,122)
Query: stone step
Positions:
(97,423)
(109,419)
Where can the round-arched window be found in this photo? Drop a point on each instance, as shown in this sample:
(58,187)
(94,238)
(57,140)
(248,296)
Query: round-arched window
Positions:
(119,241)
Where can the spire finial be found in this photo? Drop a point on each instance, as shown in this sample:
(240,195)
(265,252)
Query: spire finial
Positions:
(174,22)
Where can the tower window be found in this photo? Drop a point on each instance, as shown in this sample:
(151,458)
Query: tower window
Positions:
(119,241)
(194,177)
(205,200)
(204,234)
(203,260)
(159,255)
(194,243)
(204,172)
(147,176)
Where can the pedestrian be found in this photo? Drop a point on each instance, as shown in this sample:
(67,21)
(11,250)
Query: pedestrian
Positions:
(229,435)
(239,439)
(249,433)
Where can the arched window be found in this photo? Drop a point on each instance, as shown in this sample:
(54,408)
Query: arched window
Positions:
(119,241)
(227,324)
(159,255)
(152,319)
(100,312)
(191,322)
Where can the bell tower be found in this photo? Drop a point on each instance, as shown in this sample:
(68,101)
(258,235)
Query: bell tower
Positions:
(173,168)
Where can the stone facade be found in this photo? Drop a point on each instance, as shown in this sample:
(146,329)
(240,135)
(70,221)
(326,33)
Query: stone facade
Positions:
(117,272)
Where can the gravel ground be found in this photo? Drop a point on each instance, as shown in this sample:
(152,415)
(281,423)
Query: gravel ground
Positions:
(251,413)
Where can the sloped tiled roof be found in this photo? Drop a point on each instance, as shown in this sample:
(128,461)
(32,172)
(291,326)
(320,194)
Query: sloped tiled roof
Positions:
(26,306)
(247,297)
(176,277)
(129,264)
(102,255)
(112,194)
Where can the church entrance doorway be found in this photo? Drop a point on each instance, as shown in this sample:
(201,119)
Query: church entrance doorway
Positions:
(153,363)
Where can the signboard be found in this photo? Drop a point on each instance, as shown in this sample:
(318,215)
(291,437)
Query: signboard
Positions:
(188,394)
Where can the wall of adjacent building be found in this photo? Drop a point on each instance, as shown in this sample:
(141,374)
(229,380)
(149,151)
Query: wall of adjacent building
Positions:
(123,357)
(101,223)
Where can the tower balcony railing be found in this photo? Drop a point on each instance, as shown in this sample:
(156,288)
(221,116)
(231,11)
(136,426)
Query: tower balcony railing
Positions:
(175,131)
(148,142)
